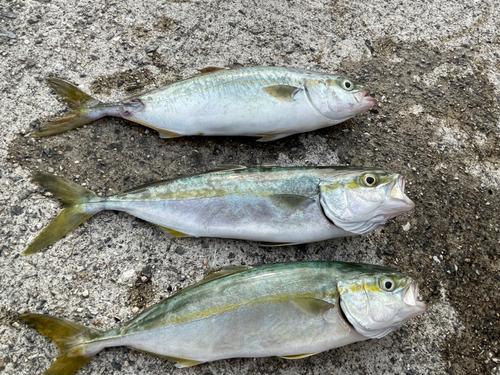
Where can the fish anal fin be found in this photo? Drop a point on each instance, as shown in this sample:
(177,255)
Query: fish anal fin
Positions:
(167,134)
(298,356)
(184,363)
(173,232)
(179,362)
(272,136)
(284,93)
(276,244)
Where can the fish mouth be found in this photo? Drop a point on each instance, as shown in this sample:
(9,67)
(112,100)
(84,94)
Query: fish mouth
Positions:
(398,192)
(411,299)
(364,97)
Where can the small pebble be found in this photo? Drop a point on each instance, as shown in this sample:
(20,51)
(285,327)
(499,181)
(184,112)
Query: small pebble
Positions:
(85,293)
(135,309)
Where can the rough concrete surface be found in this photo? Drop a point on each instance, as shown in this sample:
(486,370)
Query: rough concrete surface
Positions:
(433,66)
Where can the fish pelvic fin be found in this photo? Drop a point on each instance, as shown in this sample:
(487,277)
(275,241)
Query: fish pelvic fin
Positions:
(75,197)
(69,337)
(85,109)
(272,136)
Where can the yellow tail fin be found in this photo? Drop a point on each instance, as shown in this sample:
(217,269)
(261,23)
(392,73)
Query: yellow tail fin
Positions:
(75,197)
(69,337)
(86,109)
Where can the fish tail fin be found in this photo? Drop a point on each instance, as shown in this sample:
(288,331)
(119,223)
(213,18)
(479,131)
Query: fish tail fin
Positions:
(85,109)
(75,213)
(71,338)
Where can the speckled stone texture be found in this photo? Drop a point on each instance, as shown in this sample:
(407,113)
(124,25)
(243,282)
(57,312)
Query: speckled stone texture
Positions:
(434,68)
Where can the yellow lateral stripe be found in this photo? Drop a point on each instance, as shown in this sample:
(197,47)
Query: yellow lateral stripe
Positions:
(233,306)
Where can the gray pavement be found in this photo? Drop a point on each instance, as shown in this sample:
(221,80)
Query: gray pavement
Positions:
(434,67)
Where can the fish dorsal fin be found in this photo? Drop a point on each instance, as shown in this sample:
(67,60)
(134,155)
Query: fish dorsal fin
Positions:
(212,69)
(284,93)
(220,168)
(226,168)
(214,275)
(297,356)
(223,272)
(313,306)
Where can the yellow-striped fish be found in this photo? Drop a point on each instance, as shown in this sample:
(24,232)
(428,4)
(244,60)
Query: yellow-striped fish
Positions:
(276,205)
(265,102)
(291,310)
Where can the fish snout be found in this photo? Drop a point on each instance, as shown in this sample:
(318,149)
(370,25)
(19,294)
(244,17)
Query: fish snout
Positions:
(365,97)
(397,191)
(411,299)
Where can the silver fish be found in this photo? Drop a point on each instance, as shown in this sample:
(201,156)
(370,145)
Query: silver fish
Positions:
(291,310)
(266,102)
(277,205)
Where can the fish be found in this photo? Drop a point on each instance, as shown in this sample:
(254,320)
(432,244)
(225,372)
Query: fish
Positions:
(274,205)
(265,102)
(291,310)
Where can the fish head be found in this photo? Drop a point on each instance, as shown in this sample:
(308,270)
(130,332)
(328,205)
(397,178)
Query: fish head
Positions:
(338,98)
(359,200)
(377,302)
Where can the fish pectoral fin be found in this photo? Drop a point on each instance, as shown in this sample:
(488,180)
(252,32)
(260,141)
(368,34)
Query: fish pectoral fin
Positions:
(173,232)
(298,356)
(313,306)
(284,93)
(291,202)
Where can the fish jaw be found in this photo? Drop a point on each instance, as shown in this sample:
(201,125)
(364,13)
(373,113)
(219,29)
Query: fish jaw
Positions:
(411,299)
(364,100)
(397,201)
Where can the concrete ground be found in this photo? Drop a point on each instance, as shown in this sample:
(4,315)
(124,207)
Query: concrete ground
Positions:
(433,66)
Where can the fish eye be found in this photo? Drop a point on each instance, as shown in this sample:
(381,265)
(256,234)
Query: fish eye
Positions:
(347,85)
(387,284)
(369,180)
